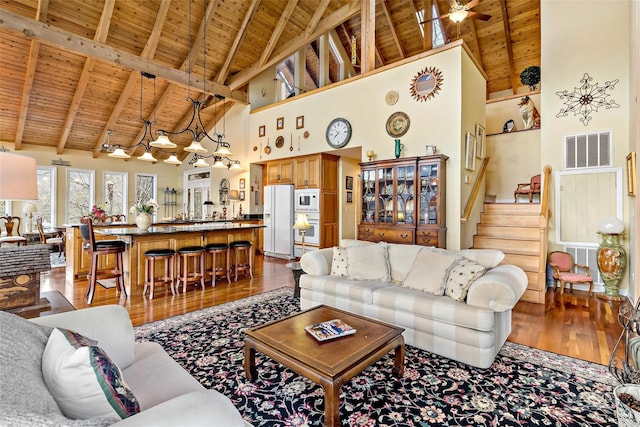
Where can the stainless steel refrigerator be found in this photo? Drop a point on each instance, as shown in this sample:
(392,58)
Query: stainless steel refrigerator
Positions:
(278,221)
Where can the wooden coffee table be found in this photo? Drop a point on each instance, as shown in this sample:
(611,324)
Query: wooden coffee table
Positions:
(329,363)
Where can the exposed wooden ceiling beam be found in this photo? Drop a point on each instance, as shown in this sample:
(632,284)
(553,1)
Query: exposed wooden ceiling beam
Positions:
(367,36)
(148,52)
(41,15)
(392,28)
(101,36)
(427,40)
(243,77)
(83,46)
(224,71)
(275,35)
(507,36)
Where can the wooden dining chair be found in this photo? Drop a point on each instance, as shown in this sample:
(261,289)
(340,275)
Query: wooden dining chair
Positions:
(567,271)
(11,234)
(54,240)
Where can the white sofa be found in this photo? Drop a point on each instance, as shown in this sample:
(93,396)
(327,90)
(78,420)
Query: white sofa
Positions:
(166,393)
(471,330)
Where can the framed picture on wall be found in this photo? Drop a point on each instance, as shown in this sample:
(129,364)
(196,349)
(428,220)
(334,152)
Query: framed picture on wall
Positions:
(261,131)
(349,183)
(280,123)
(242,183)
(631,174)
(299,122)
(349,196)
(241,193)
(470,152)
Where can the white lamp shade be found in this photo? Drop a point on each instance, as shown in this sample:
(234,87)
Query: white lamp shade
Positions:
(195,147)
(302,222)
(30,208)
(611,226)
(148,157)
(235,166)
(163,142)
(219,164)
(173,160)
(119,153)
(18,177)
(200,163)
(223,151)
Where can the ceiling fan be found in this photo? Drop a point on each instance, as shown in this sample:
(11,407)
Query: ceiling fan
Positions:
(459,12)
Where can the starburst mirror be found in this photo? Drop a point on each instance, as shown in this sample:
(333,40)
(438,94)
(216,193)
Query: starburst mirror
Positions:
(426,84)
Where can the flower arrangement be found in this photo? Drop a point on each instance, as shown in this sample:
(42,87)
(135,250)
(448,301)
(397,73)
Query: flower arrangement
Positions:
(98,212)
(148,208)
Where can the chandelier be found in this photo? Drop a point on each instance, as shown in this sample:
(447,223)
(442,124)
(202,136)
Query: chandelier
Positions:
(117,151)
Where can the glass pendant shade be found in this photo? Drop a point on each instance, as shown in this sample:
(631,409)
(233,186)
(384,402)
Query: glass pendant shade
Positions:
(173,160)
(148,157)
(163,142)
(195,147)
(458,15)
(235,166)
(119,153)
(223,151)
(219,164)
(200,163)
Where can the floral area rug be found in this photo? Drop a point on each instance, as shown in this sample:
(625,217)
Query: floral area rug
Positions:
(524,386)
(57,260)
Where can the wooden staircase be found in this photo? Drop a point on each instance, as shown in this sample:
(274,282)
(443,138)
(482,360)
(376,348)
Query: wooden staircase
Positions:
(518,230)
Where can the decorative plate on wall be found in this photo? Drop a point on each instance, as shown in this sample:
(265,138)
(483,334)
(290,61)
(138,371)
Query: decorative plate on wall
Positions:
(398,124)
(391,97)
(280,141)
(426,84)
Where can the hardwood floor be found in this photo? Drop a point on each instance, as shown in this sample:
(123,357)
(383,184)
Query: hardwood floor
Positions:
(572,324)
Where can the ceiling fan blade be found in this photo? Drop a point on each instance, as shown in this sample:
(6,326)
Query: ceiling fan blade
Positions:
(472,3)
(480,16)
(434,18)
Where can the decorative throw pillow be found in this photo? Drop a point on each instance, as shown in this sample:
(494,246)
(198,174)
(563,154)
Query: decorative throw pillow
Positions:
(461,276)
(83,380)
(489,258)
(369,262)
(429,271)
(339,262)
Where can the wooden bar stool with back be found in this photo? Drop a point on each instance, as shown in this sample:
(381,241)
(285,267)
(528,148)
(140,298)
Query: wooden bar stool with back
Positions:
(95,249)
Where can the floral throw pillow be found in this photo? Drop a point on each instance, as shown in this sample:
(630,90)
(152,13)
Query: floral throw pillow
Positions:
(461,276)
(83,380)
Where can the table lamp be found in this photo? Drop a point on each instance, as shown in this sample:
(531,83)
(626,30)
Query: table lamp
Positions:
(302,224)
(30,208)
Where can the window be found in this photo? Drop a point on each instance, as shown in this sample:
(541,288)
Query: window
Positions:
(115,192)
(437,32)
(588,150)
(285,78)
(5,207)
(80,193)
(145,187)
(46,204)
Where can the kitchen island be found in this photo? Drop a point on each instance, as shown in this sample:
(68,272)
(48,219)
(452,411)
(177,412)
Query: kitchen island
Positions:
(158,237)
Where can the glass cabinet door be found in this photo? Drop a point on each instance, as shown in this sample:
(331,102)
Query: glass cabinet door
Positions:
(385,195)
(368,196)
(429,194)
(404,195)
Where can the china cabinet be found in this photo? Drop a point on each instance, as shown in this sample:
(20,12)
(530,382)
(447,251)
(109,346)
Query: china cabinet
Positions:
(403,201)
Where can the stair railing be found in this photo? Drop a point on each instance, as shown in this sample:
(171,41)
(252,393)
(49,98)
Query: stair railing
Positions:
(543,226)
(474,191)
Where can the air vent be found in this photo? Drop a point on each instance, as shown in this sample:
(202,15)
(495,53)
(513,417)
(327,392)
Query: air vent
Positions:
(588,150)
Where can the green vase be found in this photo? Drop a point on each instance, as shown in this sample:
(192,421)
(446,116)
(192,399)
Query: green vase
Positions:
(612,260)
(398,148)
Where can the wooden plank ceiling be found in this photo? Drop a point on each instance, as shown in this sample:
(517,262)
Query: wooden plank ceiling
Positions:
(70,69)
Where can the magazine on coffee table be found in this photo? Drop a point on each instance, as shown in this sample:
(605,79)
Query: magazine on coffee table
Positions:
(330,329)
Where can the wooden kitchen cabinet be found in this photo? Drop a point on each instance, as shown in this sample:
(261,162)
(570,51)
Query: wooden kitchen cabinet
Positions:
(280,172)
(308,172)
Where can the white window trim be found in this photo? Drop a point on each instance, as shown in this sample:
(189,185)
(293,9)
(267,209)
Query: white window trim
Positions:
(53,190)
(125,190)
(92,183)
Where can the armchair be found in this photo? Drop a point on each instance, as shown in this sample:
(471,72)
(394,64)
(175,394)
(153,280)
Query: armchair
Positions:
(564,270)
(11,225)
(528,189)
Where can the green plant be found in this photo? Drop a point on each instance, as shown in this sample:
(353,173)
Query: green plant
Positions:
(530,76)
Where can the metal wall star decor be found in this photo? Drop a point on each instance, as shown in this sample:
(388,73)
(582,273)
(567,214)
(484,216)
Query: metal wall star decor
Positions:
(586,99)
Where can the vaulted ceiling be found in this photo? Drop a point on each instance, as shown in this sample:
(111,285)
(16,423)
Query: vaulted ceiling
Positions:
(70,69)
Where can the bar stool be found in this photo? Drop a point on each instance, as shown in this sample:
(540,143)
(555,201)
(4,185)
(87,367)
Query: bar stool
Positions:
(243,256)
(95,248)
(217,250)
(184,254)
(150,258)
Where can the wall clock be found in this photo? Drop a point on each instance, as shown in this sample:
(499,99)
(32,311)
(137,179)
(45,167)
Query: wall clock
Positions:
(398,124)
(338,132)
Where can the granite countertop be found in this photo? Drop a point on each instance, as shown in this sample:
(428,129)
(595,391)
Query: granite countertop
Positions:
(164,229)
(180,223)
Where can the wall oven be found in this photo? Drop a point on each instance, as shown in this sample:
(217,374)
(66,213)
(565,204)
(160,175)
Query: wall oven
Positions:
(307,200)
